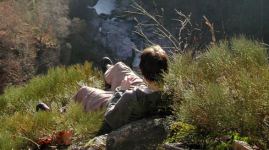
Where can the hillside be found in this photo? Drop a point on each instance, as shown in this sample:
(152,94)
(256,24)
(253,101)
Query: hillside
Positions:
(217,82)
(21,125)
(30,39)
(208,91)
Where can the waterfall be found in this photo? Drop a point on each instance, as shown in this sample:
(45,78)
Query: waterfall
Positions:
(105,6)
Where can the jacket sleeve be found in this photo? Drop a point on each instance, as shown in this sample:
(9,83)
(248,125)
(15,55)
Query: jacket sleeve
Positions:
(119,113)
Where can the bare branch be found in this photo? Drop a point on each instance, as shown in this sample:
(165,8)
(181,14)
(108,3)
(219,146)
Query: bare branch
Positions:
(211,29)
(178,42)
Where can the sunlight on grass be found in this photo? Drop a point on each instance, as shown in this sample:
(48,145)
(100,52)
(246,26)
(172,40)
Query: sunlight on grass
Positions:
(224,89)
(21,125)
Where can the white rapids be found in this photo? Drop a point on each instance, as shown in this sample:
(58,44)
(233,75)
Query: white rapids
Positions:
(105,7)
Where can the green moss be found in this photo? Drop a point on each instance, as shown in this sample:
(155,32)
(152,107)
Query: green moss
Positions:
(180,132)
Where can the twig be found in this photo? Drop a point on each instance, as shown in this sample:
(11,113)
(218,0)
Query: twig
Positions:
(179,43)
(161,28)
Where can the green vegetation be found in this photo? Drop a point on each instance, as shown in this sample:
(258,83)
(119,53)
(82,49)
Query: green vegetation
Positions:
(224,91)
(221,93)
(20,123)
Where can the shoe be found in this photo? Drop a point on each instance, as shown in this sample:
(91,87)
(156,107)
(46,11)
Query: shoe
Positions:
(42,106)
(63,109)
(105,62)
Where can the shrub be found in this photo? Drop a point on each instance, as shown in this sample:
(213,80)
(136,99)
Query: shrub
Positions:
(224,89)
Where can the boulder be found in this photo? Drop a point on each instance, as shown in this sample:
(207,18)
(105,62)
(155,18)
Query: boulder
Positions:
(241,145)
(146,134)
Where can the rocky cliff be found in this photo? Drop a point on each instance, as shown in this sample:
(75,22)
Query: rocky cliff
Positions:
(90,29)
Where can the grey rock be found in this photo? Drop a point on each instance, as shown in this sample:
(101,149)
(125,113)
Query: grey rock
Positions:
(115,35)
(122,6)
(145,134)
(241,145)
(91,3)
(173,146)
(97,143)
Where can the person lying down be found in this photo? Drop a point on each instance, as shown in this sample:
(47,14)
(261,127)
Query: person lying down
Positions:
(129,97)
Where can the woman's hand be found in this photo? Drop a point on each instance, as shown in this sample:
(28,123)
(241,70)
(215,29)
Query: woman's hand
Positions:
(127,82)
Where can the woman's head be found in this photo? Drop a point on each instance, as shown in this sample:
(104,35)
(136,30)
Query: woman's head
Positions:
(154,62)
